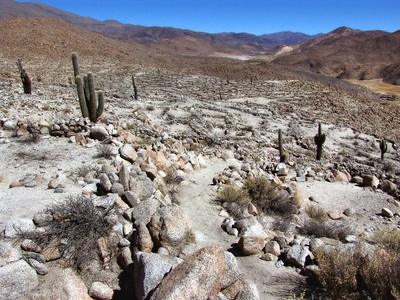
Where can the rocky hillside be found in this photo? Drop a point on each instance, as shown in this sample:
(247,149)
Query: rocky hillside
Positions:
(206,186)
(345,53)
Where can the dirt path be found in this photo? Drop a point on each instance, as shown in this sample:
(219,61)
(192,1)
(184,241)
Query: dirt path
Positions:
(197,202)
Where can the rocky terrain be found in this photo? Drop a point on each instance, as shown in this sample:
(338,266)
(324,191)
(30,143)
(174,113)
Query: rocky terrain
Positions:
(154,165)
(136,205)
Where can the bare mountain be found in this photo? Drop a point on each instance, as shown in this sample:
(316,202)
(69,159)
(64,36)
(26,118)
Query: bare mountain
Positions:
(45,47)
(143,34)
(346,53)
(112,28)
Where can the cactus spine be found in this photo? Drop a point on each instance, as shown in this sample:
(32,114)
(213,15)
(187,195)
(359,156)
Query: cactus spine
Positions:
(319,140)
(26,81)
(134,87)
(282,154)
(90,107)
(383,147)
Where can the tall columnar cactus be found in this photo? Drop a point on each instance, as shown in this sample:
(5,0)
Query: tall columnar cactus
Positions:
(383,147)
(134,87)
(319,140)
(90,107)
(75,65)
(26,81)
(284,155)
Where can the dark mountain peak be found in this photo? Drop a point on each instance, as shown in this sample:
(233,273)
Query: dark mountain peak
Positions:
(345,31)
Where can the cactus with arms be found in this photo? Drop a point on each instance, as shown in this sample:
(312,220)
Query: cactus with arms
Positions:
(90,107)
(319,140)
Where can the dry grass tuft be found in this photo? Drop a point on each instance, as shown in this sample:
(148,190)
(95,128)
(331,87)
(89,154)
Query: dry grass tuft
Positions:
(324,229)
(232,193)
(316,212)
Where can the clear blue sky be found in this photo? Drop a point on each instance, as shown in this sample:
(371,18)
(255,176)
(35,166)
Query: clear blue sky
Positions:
(252,16)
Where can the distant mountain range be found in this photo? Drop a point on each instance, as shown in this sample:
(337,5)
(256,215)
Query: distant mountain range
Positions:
(144,35)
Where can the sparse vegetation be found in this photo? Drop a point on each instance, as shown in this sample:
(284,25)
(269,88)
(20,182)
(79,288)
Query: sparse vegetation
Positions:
(74,229)
(231,193)
(319,140)
(104,150)
(318,229)
(269,197)
(316,212)
(338,271)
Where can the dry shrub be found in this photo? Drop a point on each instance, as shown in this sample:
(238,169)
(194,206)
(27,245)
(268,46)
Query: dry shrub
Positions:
(75,228)
(390,240)
(380,275)
(324,229)
(338,272)
(231,193)
(104,150)
(316,212)
(269,197)
(82,171)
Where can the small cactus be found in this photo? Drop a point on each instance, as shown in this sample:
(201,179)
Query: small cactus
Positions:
(319,140)
(26,81)
(284,155)
(90,107)
(383,147)
(134,87)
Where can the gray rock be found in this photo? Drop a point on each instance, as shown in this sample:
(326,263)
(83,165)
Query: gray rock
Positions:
(117,188)
(16,280)
(130,199)
(35,256)
(144,211)
(252,240)
(150,169)
(41,219)
(39,267)
(349,212)
(298,255)
(242,289)
(106,202)
(105,182)
(124,177)
(370,181)
(232,272)
(125,259)
(273,248)
(8,254)
(142,187)
(98,133)
(388,187)
(316,243)
(170,228)
(208,264)
(386,212)
(269,257)
(149,271)
(128,153)
(113,177)
(144,241)
(101,291)
(18,226)
(281,169)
